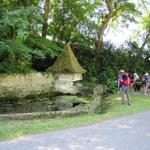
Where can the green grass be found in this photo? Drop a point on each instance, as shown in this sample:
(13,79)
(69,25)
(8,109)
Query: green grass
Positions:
(14,128)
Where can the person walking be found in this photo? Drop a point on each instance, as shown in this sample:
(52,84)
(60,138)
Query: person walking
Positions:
(136,78)
(123,86)
(119,80)
(146,82)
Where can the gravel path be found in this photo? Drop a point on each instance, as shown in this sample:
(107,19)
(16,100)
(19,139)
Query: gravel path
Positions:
(125,133)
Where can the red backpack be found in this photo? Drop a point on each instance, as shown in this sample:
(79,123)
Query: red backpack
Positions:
(125,79)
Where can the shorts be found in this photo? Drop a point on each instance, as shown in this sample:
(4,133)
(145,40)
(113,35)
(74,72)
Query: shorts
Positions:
(145,83)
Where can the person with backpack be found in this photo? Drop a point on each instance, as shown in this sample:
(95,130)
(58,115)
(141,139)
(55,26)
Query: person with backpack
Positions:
(131,79)
(119,80)
(136,76)
(136,79)
(124,84)
(145,81)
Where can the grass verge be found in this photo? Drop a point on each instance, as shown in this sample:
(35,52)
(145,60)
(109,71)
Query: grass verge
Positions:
(14,128)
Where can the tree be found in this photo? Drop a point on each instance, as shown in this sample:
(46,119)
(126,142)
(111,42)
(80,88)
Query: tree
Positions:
(2,8)
(142,32)
(45,18)
(111,10)
(146,27)
(69,20)
(20,18)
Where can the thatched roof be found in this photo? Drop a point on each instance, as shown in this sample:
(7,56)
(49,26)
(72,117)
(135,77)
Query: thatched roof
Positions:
(67,62)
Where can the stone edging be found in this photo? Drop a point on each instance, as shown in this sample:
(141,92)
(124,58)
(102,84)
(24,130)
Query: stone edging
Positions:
(51,114)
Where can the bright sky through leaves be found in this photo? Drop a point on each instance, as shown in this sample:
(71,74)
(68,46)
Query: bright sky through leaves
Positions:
(120,35)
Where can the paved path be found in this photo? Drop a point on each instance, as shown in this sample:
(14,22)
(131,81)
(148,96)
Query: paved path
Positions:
(125,133)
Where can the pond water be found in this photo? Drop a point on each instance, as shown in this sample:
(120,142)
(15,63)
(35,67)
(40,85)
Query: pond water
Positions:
(38,103)
(41,103)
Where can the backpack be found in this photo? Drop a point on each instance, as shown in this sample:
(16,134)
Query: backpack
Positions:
(144,79)
(125,79)
(131,77)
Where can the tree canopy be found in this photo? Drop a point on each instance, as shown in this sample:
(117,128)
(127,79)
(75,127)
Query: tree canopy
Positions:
(33,34)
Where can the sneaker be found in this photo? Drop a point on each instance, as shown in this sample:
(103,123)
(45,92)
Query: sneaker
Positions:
(129,103)
(122,103)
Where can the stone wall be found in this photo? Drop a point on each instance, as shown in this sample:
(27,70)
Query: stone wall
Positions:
(21,85)
(25,84)
(35,83)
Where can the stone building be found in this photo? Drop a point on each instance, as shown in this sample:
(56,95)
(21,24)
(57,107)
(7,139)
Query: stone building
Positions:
(68,70)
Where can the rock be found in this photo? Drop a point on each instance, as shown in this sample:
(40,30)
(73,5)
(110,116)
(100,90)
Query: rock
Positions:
(65,102)
(86,90)
(99,90)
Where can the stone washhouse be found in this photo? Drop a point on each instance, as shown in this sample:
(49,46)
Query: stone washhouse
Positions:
(68,71)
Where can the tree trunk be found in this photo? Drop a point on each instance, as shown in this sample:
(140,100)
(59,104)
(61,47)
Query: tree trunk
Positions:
(100,43)
(102,28)
(45,17)
(145,42)
(12,34)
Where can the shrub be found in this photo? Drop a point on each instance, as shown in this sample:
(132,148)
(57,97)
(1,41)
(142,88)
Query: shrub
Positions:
(15,57)
(85,55)
(42,48)
(44,52)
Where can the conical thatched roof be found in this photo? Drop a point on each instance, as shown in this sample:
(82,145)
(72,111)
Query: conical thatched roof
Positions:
(67,62)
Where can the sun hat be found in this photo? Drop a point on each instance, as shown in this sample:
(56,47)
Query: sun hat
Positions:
(146,74)
(121,71)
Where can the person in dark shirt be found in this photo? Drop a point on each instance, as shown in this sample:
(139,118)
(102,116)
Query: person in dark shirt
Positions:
(146,82)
